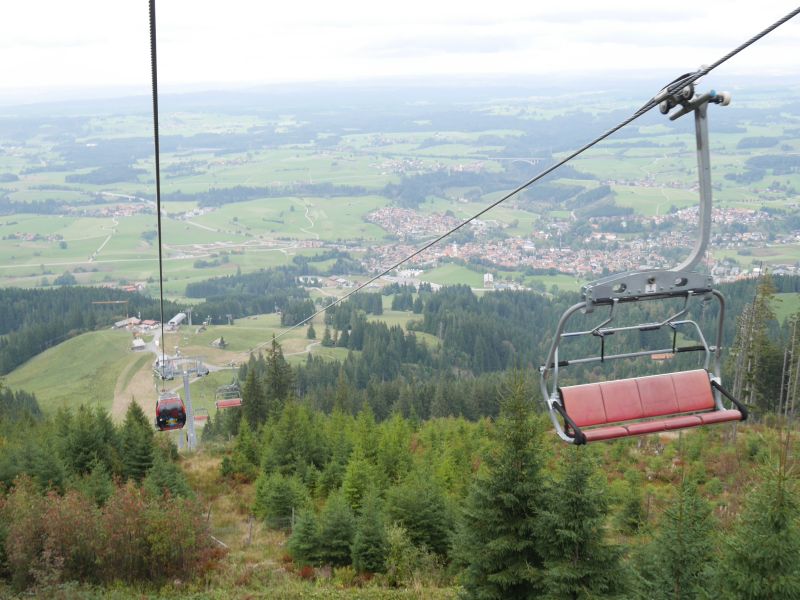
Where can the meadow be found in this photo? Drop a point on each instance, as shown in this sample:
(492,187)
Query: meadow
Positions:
(650,169)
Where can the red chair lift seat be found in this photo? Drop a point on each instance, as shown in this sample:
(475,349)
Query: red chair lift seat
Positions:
(642,405)
(229,403)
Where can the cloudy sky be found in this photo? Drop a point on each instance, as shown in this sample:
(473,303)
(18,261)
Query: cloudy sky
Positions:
(91,44)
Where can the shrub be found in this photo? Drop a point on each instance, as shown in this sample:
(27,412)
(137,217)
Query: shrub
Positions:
(23,543)
(407,564)
(71,529)
(122,554)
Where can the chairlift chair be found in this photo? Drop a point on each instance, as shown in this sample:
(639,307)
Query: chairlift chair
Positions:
(656,403)
(228,396)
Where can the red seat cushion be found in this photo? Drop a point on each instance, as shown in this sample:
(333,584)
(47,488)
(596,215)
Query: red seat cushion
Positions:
(584,404)
(693,390)
(658,395)
(720,416)
(621,400)
(645,427)
(681,422)
(604,433)
(229,403)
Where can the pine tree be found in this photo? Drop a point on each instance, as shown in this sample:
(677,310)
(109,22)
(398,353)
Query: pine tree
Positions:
(311,333)
(579,564)
(279,379)
(244,461)
(500,536)
(85,443)
(359,478)
(304,543)
(277,498)
(336,531)
(97,485)
(370,545)
(137,443)
(327,341)
(254,400)
(393,456)
(631,516)
(761,558)
(754,353)
(165,477)
(420,506)
(675,565)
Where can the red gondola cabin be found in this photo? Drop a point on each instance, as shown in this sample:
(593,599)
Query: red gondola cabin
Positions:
(170,412)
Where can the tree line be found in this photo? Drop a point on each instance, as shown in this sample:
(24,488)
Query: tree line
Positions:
(32,320)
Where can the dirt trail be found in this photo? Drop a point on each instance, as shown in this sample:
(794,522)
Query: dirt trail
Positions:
(140,387)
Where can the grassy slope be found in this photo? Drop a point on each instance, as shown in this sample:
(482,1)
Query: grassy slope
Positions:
(82,370)
(91,367)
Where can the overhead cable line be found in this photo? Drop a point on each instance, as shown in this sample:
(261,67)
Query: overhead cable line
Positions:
(154,72)
(671,89)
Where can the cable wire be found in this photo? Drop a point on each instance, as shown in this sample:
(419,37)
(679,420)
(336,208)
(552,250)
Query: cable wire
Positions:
(154,72)
(673,87)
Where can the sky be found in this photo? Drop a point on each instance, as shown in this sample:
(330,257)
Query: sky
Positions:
(52,47)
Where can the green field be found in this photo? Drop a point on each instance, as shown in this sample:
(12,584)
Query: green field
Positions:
(651,169)
(450,274)
(94,367)
(786,305)
(653,201)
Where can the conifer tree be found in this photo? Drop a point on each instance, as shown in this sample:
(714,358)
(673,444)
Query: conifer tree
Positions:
(254,400)
(579,563)
(277,498)
(86,442)
(754,352)
(675,565)
(311,333)
(631,516)
(359,478)
(336,531)
(370,545)
(279,378)
(366,432)
(304,542)
(420,506)
(761,558)
(166,477)
(344,339)
(244,460)
(500,538)
(393,453)
(97,485)
(137,443)
(327,341)
(293,444)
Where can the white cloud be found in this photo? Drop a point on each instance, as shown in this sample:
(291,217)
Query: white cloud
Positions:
(51,43)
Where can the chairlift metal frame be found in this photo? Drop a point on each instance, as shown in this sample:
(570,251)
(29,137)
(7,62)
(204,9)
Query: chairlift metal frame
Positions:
(229,395)
(638,286)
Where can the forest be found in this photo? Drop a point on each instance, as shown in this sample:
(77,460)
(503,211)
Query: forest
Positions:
(33,320)
(414,470)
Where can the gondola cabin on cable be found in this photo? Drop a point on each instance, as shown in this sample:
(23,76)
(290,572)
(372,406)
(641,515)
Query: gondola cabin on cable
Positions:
(605,410)
(170,412)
